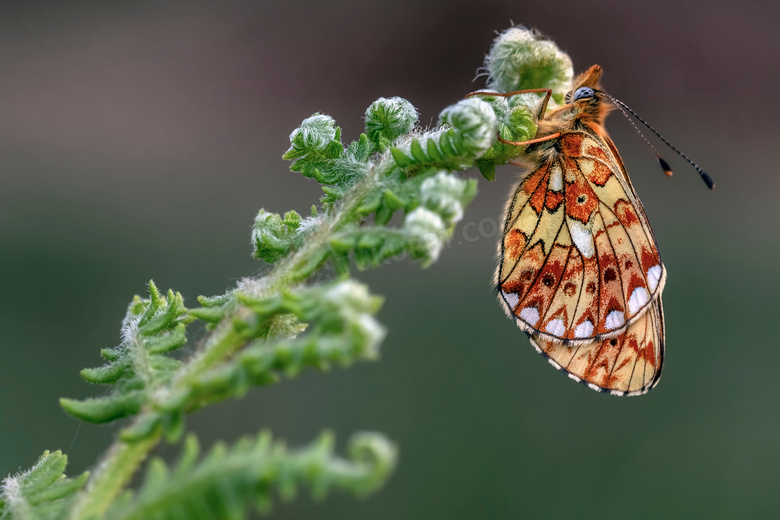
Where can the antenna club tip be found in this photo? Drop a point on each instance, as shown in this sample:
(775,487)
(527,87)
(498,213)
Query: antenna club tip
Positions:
(708,181)
(665,166)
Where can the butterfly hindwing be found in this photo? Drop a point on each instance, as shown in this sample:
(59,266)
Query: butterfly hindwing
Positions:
(627,364)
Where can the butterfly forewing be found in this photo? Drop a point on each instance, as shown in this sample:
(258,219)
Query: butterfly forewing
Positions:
(578,259)
(627,364)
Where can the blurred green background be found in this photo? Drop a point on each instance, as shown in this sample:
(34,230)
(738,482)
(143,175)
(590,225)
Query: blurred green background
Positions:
(138,140)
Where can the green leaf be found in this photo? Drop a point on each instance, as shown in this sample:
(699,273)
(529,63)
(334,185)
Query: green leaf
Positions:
(106,374)
(208,314)
(401,159)
(42,492)
(104,409)
(487,169)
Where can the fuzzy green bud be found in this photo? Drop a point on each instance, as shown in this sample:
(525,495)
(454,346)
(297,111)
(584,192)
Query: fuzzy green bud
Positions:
(515,123)
(387,119)
(522,59)
(378,453)
(446,195)
(427,231)
(351,298)
(271,236)
(475,124)
(315,134)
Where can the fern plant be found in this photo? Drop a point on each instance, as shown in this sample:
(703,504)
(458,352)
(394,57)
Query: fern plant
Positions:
(273,326)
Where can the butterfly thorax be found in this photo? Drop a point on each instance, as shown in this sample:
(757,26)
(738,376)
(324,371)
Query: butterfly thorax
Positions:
(580,114)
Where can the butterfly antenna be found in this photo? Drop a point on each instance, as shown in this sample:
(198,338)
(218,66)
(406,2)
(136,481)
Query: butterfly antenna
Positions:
(664,165)
(625,109)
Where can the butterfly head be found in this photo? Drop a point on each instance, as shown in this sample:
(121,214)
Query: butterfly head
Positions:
(586,100)
(583,93)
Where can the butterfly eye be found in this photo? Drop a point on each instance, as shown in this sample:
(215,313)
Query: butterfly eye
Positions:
(583,92)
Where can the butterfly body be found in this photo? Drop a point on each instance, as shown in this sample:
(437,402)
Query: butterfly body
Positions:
(579,268)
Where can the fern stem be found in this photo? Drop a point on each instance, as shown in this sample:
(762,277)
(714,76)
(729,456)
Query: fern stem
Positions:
(283,275)
(112,475)
(218,346)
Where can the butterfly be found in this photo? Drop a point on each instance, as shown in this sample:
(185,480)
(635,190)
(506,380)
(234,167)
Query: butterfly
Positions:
(579,270)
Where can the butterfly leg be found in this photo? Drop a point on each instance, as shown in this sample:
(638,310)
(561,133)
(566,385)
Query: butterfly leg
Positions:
(531,141)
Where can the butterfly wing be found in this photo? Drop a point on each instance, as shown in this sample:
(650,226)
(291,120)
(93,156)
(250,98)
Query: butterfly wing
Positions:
(578,258)
(627,364)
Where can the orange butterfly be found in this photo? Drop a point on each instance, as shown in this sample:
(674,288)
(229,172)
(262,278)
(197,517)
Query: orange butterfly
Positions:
(579,269)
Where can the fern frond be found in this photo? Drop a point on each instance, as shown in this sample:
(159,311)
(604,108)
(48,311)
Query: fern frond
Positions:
(466,130)
(138,366)
(229,482)
(341,329)
(274,326)
(41,493)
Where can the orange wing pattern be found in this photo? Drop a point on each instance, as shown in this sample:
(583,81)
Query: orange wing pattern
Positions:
(579,262)
(627,364)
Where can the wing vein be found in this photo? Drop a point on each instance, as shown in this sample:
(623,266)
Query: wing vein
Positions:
(541,268)
(631,241)
(565,265)
(617,262)
(508,226)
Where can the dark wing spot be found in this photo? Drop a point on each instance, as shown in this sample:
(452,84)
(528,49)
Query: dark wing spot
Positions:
(548,280)
(591,288)
(569,289)
(609,275)
(613,342)
(629,264)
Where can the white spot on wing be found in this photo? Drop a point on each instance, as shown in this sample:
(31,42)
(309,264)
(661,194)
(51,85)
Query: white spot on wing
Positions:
(582,238)
(556,327)
(654,276)
(530,315)
(511,299)
(556,178)
(586,166)
(614,320)
(638,299)
(584,330)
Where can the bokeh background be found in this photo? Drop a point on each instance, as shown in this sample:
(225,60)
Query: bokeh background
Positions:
(138,140)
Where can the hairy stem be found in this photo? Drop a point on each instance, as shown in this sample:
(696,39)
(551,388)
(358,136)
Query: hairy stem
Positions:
(112,475)
(282,275)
